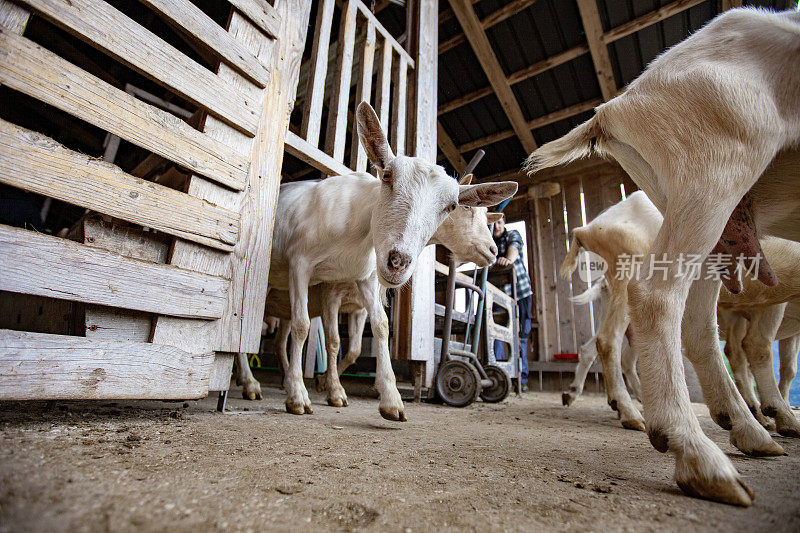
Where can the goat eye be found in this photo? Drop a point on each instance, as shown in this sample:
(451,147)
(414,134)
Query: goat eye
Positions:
(452,207)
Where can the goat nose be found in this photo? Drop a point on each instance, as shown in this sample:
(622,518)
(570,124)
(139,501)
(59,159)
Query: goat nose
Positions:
(493,249)
(398,261)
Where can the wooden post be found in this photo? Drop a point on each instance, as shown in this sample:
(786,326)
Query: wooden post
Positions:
(415,340)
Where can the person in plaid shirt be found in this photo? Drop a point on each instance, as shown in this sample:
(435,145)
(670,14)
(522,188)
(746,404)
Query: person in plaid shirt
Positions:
(509,251)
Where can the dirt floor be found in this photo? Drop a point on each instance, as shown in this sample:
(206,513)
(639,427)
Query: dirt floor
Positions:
(525,464)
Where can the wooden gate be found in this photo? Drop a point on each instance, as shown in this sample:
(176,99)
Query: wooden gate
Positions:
(163,317)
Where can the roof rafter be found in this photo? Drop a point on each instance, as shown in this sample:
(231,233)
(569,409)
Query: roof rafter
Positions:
(496,17)
(449,149)
(483,50)
(597,48)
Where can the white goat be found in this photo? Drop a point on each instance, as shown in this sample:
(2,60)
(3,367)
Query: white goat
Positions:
(627,227)
(696,131)
(368,231)
(465,233)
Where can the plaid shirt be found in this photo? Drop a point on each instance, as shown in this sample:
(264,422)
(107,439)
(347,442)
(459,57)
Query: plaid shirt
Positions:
(513,238)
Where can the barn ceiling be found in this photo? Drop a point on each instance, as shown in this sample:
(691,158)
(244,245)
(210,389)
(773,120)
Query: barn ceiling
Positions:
(519,73)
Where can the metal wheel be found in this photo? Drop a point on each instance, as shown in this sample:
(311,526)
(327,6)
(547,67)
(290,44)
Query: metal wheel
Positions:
(501,384)
(458,383)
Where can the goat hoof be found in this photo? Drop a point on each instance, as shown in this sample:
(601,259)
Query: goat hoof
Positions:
(637,425)
(393,414)
(567,399)
(337,402)
(251,391)
(295,408)
(308,410)
(730,491)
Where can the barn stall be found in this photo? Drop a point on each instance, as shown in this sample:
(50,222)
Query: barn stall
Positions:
(147,286)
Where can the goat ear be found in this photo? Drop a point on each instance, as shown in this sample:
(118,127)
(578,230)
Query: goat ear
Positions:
(486,194)
(491,218)
(466,180)
(372,137)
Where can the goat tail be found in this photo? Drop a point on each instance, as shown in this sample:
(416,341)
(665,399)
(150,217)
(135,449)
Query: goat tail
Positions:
(591,294)
(571,260)
(580,142)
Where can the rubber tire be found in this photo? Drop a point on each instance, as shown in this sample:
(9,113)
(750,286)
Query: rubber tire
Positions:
(501,387)
(443,378)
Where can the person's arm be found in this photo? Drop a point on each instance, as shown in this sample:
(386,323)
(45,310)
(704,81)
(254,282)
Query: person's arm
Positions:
(514,247)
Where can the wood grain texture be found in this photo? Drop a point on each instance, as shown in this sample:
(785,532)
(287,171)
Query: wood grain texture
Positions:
(39,366)
(35,163)
(358,156)
(547,275)
(497,78)
(399,107)
(34,263)
(261,13)
(398,48)
(106,28)
(594,36)
(13,18)
(314,156)
(336,134)
(318,65)
(383,85)
(566,318)
(37,72)
(205,30)
(580,313)
(449,149)
(108,323)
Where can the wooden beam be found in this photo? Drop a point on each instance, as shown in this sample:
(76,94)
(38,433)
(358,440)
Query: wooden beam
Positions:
(449,149)
(35,163)
(34,263)
(538,122)
(497,78)
(594,36)
(201,28)
(101,25)
(40,366)
(518,76)
(261,13)
(725,5)
(315,157)
(318,69)
(648,19)
(336,135)
(496,17)
(37,72)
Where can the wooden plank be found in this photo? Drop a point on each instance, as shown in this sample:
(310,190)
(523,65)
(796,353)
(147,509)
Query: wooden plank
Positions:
(547,273)
(39,366)
(240,328)
(221,369)
(497,78)
(518,76)
(580,313)
(399,104)
(449,149)
(358,156)
(594,36)
(36,163)
(538,122)
(34,263)
(314,156)
(566,319)
(593,203)
(336,135)
(104,27)
(261,13)
(315,91)
(197,24)
(383,84)
(611,191)
(398,48)
(648,19)
(109,323)
(37,72)
(508,10)
(419,313)
(13,18)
